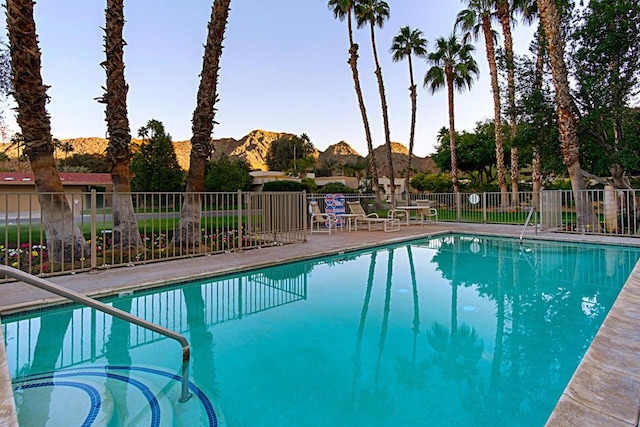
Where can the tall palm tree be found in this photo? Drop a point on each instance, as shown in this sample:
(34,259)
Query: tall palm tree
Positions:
(64,238)
(529,11)
(504,13)
(375,13)
(452,64)
(125,225)
(473,20)
(567,122)
(188,233)
(405,44)
(343,9)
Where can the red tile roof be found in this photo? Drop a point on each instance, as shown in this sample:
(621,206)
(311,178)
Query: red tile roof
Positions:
(26,178)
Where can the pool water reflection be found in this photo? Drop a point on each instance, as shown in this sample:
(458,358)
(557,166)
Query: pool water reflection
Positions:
(450,330)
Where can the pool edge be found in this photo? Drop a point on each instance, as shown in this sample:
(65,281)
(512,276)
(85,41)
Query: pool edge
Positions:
(605,387)
(8,414)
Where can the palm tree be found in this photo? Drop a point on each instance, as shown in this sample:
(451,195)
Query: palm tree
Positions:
(567,122)
(529,11)
(407,43)
(202,126)
(375,13)
(125,225)
(343,9)
(452,64)
(476,18)
(65,240)
(503,9)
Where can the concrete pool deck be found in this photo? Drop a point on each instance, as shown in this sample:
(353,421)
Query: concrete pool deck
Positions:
(605,389)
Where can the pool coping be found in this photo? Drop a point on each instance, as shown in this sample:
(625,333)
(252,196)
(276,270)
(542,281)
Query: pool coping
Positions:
(604,390)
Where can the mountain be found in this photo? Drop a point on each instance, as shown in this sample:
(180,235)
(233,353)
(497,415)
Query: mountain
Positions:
(399,156)
(253,148)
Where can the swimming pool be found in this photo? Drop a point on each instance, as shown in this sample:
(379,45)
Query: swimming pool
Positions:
(450,330)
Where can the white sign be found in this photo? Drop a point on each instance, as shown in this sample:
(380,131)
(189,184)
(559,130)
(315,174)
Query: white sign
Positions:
(474,199)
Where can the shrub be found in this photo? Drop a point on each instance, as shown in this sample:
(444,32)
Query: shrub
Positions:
(336,187)
(283,185)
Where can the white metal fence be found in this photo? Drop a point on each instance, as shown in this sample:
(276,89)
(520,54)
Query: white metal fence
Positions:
(229,222)
(238,221)
(614,212)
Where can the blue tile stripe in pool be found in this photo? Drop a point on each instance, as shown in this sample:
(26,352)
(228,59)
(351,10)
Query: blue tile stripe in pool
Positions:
(96,402)
(153,402)
(208,406)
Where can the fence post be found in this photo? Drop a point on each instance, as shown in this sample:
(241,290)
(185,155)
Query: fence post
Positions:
(484,207)
(459,206)
(94,253)
(240,230)
(304,214)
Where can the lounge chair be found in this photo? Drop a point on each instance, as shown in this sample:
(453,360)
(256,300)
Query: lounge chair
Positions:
(428,211)
(388,224)
(321,222)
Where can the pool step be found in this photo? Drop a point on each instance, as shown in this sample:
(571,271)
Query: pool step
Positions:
(110,396)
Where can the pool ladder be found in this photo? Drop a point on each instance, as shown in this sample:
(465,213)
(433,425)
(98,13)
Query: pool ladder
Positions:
(120,314)
(524,228)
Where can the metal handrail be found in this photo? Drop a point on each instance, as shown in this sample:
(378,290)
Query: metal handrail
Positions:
(120,314)
(524,228)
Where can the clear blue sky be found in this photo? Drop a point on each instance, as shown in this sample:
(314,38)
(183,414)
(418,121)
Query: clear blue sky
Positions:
(284,68)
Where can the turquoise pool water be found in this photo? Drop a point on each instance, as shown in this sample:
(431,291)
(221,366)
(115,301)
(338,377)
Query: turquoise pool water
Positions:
(450,330)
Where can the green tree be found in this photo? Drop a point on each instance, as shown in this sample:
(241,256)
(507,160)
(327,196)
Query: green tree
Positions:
(343,9)
(226,175)
(64,238)
(435,182)
(474,20)
(290,153)
(453,66)
(188,231)
(607,70)
(94,163)
(374,13)
(155,165)
(406,44)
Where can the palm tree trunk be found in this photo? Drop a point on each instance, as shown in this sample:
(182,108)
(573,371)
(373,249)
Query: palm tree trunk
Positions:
(452,132)
(188,232)
(504,16)
(353,62)
(385,116)
(64,238)
(125,225)
(413,93)
(536,173)
(567,122)
(493,70)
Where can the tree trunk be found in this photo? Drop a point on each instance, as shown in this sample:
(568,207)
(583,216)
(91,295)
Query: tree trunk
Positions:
(64,238)
(414,106)
(353,63)
(452,131)
(536,173)
(125,225)
(566,120)
(493,69)
(536,177)
(188,232)
(385,117)
(504,16)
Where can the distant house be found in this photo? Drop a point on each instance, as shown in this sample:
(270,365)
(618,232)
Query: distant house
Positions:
(17,189)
